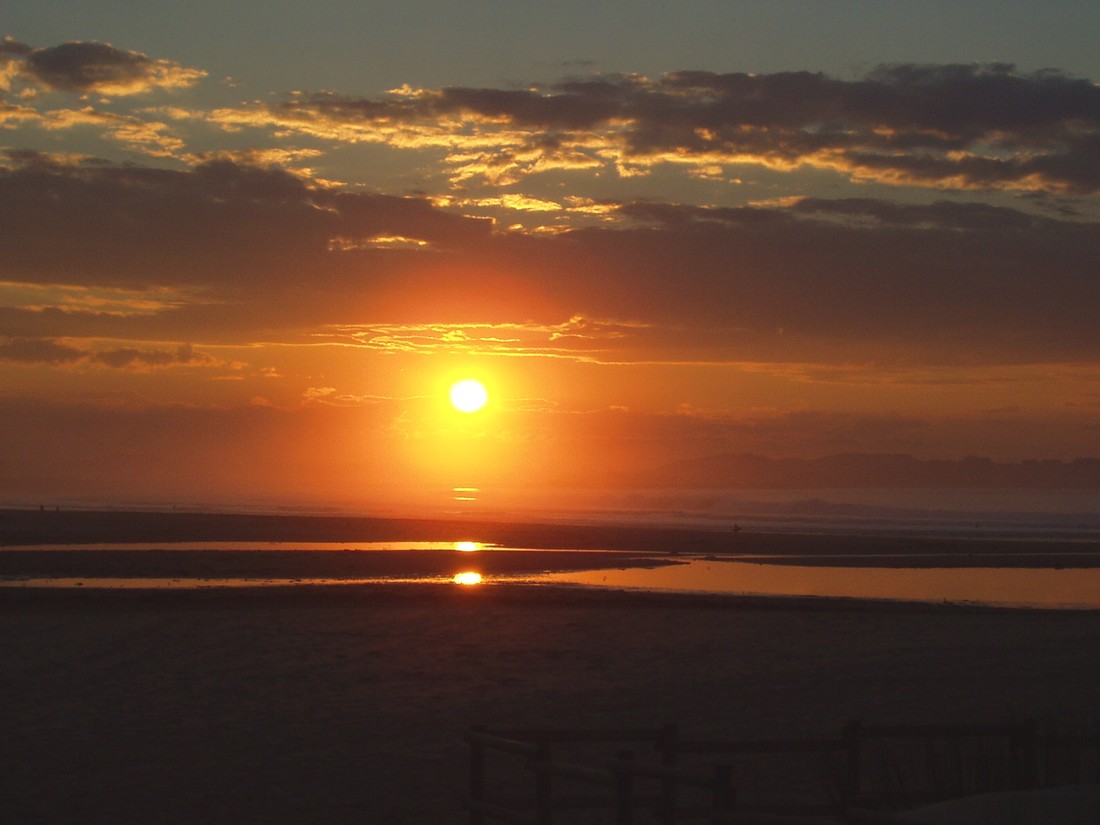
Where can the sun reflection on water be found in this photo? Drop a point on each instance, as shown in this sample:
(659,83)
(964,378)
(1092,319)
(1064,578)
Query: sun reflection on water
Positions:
(468,578)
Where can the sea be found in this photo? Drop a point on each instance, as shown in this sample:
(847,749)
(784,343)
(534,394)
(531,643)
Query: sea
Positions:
(1041,514)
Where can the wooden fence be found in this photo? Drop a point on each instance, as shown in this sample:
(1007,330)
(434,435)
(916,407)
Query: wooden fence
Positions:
(528,776)
(621,784)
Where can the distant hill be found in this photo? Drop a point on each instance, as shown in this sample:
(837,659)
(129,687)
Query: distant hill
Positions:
(745,470)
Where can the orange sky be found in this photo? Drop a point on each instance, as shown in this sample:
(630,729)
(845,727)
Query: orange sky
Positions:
(206,295)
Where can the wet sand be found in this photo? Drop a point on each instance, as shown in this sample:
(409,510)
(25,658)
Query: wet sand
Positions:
(320,705)
(130,529)
(307,709)
(290,565)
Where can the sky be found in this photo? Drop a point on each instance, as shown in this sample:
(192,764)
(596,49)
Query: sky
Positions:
(244,251)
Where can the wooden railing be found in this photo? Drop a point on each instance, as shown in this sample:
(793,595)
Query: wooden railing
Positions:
(646,774)
(621,784)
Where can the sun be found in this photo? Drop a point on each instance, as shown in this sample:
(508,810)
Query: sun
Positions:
(469,395)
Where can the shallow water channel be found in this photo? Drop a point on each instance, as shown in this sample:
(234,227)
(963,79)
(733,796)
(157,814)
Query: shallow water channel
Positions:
(469,563)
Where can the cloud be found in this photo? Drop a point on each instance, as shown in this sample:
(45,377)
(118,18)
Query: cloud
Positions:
(975,126)
(245,251)
(90,67)
(577,339)
(221,224)
(150,137)
(53,353)
(38,351)
(964,281)
(132,358)
(13,115)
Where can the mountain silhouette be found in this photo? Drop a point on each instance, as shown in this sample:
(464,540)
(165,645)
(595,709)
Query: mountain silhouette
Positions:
(746,470)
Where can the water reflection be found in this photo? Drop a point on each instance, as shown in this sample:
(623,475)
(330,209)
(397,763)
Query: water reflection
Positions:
(249,546)
(1023,587)
(1026,587)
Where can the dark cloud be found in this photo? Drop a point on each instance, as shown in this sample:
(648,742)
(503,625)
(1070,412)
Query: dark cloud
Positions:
(964,280)
(815,281)
(93,67)
(131,357)
(48,351)
(854,212)
(949,215)
(959,126)
(222,224)
(38,351)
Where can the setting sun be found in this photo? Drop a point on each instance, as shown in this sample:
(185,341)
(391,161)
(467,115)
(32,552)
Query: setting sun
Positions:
(469,396)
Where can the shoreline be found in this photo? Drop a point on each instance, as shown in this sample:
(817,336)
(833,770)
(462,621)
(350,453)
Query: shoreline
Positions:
(52,527)
(444,595)
(150,558)
(371,595)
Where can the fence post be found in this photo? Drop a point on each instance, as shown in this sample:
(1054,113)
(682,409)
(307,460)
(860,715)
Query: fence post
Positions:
(667,746)
(852,736)
(722,795)
(544,803)
(624,788)
(477,777)
(1024,740)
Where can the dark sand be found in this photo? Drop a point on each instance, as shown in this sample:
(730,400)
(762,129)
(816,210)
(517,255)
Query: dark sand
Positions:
(22,527)
(321,706)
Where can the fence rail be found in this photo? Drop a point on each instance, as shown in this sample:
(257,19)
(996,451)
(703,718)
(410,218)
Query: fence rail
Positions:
(662,788)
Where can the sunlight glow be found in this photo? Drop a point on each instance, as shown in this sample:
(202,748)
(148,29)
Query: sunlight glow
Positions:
(467,546)
(469,395)
(468,578)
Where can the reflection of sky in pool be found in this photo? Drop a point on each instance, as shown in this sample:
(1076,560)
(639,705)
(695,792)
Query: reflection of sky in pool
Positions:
(1042,587)
(1031,587)
(287,546)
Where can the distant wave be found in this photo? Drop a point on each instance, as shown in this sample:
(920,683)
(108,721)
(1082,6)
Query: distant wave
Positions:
(1055,514)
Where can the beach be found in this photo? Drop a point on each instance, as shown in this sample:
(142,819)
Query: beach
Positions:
(348,703)
(230,709)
